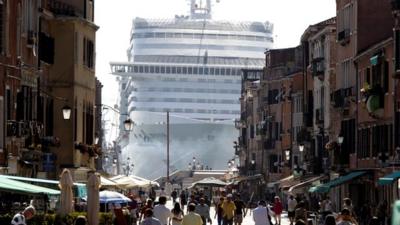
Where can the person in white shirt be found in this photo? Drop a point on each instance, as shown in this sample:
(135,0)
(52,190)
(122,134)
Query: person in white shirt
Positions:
(292,203)
(261,214)
(161,212)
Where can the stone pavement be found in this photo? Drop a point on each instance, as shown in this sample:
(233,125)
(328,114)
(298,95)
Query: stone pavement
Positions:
(248,220)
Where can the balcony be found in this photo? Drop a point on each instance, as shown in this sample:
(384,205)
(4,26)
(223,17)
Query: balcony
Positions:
(63,9)
(318,68)
(343,36)
(339,98)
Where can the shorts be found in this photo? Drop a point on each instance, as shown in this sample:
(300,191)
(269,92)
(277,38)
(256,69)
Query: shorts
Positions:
(239,218)
(291,214)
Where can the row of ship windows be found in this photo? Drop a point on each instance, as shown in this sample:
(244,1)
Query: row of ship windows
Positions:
(201,36)
(188,100)
(176,70)
(180,110)
(188,90)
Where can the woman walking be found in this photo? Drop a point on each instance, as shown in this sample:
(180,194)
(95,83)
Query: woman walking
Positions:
(278,207)
(177,215)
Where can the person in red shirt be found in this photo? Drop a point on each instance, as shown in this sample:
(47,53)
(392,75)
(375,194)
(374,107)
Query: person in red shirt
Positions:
(278,207)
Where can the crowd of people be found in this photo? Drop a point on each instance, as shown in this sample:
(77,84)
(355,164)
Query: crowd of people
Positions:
(194,209)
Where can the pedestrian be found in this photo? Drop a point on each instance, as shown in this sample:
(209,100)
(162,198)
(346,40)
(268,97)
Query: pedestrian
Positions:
(219,211)
(229,210)
(278,208)
(347,204)
(183,199)
(148,205)
(161,212)
(133,209)
(21,217)
(149,218)
(382,212)
(292,203)
(330,220)
(300,213)
(261,214)
(192,218)
(326,206)
(80,220)
(162,192)
(203,210)
(374,221)
(240,210)
(345,218)
(174,195)
(177,215)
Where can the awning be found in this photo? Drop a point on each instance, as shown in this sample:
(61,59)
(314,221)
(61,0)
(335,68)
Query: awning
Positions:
(309,181)
(323,188)
(281,182)
(80,188)
(389,179)
(21,187)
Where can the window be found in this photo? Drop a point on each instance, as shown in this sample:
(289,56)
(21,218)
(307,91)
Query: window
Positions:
(88,53)
(184,70)
(345,69)
(195,70)
(345,18)
(162,69)
(146,69)
(140,69)
(168,70)
(179,70)
(157,69)
(173,70)
(151,69)
(190,70)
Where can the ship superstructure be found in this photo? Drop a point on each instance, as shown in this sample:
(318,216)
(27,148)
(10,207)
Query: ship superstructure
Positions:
(190,66)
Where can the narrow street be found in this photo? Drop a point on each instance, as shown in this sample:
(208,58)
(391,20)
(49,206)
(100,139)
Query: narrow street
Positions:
(248,220)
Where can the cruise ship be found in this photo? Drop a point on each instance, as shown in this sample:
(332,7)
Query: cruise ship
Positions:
(191,67)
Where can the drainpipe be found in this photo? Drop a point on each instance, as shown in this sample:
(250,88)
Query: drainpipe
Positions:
(357,105)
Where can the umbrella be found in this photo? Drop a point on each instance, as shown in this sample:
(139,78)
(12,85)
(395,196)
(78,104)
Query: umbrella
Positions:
(113,197)
(210,181)
(66,197)
(93,206)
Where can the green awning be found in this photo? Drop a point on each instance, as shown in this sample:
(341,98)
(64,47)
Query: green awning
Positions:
(374,60)
(80,190)
(323,188)
(389,179)
(21,187)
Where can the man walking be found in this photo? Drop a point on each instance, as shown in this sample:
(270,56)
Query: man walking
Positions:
(204,211)
(149,219)
(239,211)
(261,214)
(292,203)
(192,218)
(161,212)
(229,210)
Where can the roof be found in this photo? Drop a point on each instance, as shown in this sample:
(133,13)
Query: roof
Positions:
(185,23)
(11,185)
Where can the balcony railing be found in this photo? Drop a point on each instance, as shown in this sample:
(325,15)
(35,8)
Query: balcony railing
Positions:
(318,67)
(64,9)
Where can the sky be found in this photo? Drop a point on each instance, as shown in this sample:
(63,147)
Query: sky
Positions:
(114,17)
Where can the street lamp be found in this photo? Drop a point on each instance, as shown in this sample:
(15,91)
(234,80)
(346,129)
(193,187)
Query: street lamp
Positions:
(340,139)
(301,147)
(128,124)
(66,110)
(287,153)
